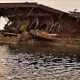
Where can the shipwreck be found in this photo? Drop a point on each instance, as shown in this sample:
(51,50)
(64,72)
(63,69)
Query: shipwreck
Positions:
(35,21)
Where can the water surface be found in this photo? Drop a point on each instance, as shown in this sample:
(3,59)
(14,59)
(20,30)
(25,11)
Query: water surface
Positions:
(40,62)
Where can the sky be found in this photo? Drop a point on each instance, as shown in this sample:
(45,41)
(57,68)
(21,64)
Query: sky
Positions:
(64,5)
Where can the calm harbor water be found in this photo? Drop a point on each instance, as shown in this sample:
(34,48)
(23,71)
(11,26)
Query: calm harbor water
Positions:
(40,62)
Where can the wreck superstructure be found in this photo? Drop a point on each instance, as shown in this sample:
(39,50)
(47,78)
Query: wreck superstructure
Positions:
(27,16)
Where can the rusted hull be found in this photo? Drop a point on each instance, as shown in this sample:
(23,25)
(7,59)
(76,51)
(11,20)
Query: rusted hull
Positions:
(32,16)
(9,40)
(42,35)
(69,42)
(28,16)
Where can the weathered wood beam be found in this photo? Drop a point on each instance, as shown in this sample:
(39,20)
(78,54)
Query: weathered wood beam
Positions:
(20,15)
(14,5)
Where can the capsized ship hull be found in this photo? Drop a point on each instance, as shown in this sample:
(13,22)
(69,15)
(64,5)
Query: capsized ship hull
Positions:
(25,17)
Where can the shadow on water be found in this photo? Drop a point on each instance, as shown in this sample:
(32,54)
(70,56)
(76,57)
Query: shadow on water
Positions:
(46,49)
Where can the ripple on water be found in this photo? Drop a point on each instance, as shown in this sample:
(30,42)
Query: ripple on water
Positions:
(29,66)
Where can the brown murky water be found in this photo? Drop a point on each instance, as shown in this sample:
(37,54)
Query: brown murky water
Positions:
(39,63)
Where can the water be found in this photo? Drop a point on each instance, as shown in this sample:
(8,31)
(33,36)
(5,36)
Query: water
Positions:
(38,63)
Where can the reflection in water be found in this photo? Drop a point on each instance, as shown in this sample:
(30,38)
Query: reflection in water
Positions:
(38,63)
